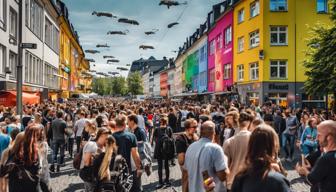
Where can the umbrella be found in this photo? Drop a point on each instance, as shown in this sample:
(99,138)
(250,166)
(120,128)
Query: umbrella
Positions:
(108,56)
(113,61)
(91,60)
(122,68)
(152,32)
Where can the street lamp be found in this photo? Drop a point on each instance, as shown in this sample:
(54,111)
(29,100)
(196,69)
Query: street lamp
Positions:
(19,79)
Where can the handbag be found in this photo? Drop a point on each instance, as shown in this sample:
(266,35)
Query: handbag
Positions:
(86,174)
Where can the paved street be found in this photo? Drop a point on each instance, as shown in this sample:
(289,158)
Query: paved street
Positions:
(68,179)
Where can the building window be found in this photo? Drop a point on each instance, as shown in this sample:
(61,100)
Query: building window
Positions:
(203,54)
(228,35)
(254,71)
(3,9)
(278,5)
(322,6)
(278,69)
(13,23)
(12,63)
(241,15)
(254,39)
(36,18)
(240,44)
(240,71)
(278,35)
(219,41)
(51,35)
(2,59)
(33,69)
(212,47)
(254,9)
(212,75)
(227,71)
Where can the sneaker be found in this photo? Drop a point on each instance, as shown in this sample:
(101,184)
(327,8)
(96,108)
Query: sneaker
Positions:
(159,186)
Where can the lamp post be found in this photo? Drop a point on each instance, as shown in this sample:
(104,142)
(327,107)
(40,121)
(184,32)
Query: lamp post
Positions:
(19,65)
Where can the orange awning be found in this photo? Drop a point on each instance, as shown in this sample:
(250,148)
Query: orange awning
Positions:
(8,98)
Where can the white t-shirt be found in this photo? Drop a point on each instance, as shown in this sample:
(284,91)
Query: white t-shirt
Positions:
(89,147)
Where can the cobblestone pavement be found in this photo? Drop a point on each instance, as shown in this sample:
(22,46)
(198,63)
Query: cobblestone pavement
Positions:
(67,179)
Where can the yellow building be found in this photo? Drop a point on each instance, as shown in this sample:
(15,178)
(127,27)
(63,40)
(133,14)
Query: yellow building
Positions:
(73,69)
(270,42)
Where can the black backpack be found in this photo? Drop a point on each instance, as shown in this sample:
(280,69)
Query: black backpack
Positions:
(121,180)
(167,146)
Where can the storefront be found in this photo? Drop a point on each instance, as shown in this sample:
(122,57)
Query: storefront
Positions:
(250,93)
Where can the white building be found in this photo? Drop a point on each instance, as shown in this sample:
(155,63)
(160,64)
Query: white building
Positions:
(145,83)
(39,26)
(156,85)
(171,82)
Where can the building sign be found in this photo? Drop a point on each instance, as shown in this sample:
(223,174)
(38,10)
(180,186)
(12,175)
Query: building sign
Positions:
(278,87)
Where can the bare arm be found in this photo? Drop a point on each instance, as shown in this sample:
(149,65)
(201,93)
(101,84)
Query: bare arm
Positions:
(222,174)
(136,158)
(87,159)
(181,158)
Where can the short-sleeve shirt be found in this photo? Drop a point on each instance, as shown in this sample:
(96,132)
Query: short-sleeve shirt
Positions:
(89,147)
(182,143)
(203,155)
(125,142)
(80,125)
(140,134)
(323,172)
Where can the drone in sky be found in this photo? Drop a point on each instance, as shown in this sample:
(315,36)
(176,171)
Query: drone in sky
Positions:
(172,24)
(102,45)
(108,57)
(144,47)
(113,61)
(152,32)
(103,14)
(170,3)
(128,21)
(118,32)
(92,51)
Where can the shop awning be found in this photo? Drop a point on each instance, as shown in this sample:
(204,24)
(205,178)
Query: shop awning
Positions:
(8,98)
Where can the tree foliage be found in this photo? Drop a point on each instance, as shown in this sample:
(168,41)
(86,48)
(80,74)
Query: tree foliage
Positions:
(110,86)
(321,58)
(134,83)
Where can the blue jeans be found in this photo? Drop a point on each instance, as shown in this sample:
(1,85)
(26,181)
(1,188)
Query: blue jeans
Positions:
(58,145)
(290,140)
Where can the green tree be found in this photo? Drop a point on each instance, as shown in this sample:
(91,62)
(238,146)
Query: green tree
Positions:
(321,58)
(134,83)
(119,86)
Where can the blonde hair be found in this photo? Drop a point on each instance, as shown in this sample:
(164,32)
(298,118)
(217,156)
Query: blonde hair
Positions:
(104,169)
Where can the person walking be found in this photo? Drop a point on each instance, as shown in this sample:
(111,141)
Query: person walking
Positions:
(127,147)
(58,127)
(183,141)
(235,148)
(162,150)
(288,136)
(79,127)
(205,158)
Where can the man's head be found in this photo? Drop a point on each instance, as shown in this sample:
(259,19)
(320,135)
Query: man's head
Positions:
(102,135)
(59,114)
(132,121)
(190,126)
(245,119)
(326,134)
(208,130)
(120,122)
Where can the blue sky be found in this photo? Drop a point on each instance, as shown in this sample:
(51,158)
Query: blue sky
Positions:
(92,30)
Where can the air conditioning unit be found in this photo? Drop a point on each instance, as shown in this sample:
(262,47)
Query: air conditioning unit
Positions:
(261,54)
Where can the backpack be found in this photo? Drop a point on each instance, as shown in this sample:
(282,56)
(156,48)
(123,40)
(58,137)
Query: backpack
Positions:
(121,180)
(167,146)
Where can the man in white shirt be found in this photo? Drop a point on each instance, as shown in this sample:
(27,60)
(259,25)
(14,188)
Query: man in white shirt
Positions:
(79,127)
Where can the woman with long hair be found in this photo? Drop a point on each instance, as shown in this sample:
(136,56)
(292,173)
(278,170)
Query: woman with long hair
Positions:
(23,164)
(71,131)
(262,172)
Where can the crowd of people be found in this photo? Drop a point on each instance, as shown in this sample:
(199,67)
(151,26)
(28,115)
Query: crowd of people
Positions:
(218,146)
